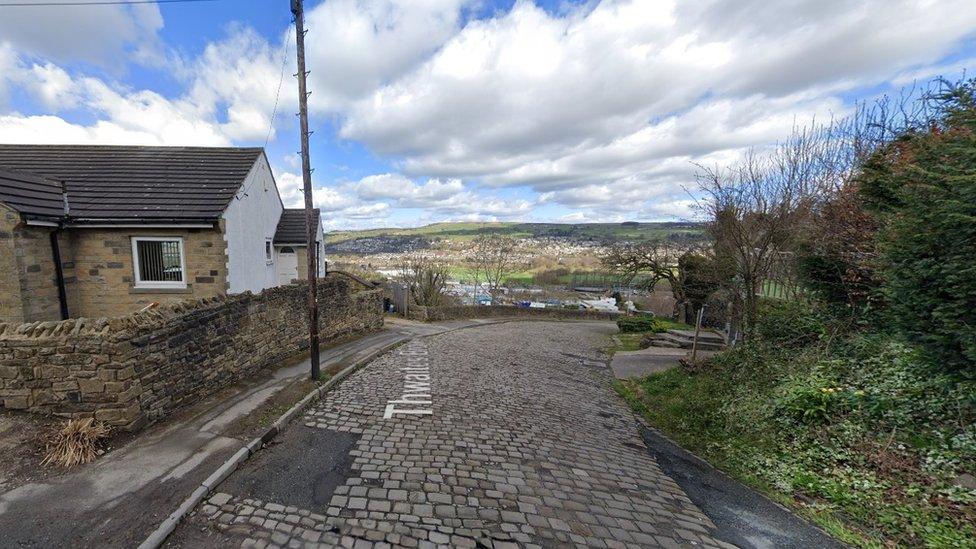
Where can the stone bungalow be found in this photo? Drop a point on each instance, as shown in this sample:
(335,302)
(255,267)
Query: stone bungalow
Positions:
(103,231)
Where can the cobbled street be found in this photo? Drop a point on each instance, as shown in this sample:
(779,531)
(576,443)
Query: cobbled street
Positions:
(526,444)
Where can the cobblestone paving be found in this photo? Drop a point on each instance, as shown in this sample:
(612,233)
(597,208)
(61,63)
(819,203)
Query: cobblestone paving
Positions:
(527,445)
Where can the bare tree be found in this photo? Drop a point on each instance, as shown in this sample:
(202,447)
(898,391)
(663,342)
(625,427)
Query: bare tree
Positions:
(426,281)
(761,206)
(494,259)
(657,260)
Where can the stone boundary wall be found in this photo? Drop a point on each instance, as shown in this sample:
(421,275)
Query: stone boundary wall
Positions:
(456,312)
(133,370)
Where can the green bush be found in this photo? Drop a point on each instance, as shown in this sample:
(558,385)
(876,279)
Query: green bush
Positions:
(923,187)
(790,322)
(823,275)
(836,259)
(702,276)
(640,324)
(851,422)
(811,404)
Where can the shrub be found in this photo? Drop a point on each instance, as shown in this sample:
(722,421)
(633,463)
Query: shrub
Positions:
(838,259)
(702,276)
(790,322)
(641,323)
(924,188)
(852,423)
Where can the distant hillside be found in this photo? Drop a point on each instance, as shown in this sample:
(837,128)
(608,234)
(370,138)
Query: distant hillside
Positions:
(584,231)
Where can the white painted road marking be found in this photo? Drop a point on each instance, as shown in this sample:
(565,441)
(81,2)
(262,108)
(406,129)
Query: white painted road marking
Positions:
(417,398)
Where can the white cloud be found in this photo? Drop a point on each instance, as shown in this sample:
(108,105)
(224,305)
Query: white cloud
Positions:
(624,93)
(230,97)
(368,211)
(600,108)
(377,197)
(290,188)
(43,129)
(8,64)
(436,195)
(356,46)
(125,117)
(405,191)
(240,76)
(103,35)
(52,85)
(949,70)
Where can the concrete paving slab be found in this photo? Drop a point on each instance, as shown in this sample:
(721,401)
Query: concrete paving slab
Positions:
(633,364)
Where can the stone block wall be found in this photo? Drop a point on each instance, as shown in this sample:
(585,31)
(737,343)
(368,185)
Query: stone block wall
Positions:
(28,287)
(98,270)
(11,309)
(38,281)
(105,276)
(136,369)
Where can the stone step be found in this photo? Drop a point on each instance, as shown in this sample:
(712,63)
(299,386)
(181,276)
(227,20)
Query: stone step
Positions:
(671,340)
(705,335)
(665,343)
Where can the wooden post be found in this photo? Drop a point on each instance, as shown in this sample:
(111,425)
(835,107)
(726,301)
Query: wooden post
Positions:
(311,224)
(694,343)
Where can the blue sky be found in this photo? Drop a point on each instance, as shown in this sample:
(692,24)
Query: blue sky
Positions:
(435,110)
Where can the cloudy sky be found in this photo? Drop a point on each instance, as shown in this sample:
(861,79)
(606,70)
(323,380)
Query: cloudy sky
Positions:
(435,110)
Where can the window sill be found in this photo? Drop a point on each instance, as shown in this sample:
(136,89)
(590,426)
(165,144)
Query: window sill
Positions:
(157,290)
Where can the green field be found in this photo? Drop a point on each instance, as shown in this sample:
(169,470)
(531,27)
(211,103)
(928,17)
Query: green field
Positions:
(599,231)
(470,274)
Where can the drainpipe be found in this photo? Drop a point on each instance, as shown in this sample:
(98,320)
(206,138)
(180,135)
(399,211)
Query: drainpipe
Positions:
(56,255)
(59,272)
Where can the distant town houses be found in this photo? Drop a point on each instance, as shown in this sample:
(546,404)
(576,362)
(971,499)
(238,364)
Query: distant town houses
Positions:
(94,231)
(381,252)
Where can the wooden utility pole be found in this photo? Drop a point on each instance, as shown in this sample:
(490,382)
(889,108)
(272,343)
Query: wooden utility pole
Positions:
(694,343)
(311,224)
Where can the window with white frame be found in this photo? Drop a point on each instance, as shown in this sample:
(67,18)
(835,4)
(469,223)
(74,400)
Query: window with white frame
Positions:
(268,257)
(159,262)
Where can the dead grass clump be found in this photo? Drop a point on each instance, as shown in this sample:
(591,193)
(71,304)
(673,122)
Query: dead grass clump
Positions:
(76,442)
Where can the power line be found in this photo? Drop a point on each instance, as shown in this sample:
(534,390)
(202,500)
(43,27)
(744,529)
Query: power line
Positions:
(274,111)
(281,79)
(95,3)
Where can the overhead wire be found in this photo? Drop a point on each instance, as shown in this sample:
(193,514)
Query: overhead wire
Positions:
(281,79)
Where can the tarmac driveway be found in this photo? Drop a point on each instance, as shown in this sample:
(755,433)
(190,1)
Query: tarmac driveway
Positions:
(518,439)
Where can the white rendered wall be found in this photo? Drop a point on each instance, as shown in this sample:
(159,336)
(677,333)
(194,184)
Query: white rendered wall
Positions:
(249,221)
(320,237)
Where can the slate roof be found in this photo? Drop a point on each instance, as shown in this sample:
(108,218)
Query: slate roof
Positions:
(32,196)
(114,184)
(291,226)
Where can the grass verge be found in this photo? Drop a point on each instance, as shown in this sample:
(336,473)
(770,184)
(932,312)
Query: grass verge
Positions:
(852,430)
(631,341)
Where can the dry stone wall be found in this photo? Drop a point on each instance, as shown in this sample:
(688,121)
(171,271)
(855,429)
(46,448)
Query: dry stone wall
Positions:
(133,370)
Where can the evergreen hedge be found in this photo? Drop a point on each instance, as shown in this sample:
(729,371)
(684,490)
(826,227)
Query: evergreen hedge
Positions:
(923,186)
